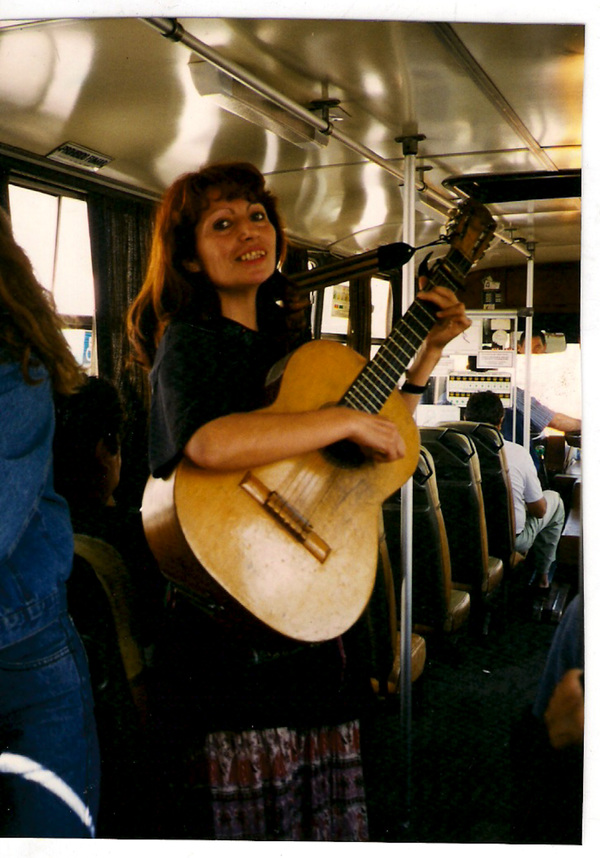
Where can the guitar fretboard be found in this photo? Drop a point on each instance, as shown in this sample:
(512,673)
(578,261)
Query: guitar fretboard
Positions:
(380,376)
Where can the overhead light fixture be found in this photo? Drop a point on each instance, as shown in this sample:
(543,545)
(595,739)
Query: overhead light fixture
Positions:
(236,98)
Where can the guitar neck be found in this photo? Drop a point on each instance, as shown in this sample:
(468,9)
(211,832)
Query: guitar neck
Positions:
(381,375)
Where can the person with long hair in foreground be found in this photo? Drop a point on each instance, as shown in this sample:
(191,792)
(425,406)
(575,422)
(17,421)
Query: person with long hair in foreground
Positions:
(49,762)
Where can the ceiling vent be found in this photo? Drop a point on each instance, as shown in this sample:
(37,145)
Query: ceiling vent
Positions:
(79,156)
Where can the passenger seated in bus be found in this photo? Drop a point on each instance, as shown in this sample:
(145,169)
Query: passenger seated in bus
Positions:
(560,698)
(271,728)
(90,426)
(541,417)
(548,741)
(539,514)
(49,766)
(87,454)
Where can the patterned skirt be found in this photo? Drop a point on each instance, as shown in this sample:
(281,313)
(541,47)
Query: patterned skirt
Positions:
(287,784)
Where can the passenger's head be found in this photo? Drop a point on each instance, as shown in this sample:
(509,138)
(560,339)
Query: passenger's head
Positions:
(30,329)
(538,343)
(174,278)
(87,443)
(485,407)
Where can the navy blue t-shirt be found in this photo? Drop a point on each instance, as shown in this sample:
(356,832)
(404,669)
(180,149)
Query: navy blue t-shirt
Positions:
(204,369)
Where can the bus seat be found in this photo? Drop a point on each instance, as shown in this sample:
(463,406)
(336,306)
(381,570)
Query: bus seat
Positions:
(458,479)
(437,607)
(555,454)
(112,573)
(569,547)
(389,681)
(418,658)
(496,488)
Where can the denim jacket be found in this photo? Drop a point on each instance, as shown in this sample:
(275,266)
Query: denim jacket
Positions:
(36,538)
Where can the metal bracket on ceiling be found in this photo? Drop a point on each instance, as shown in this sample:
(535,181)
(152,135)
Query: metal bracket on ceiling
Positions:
(410,143)
(329,111)
(176,33)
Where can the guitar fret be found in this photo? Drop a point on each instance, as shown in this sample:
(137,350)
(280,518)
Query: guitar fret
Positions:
(353,400)
(392,378)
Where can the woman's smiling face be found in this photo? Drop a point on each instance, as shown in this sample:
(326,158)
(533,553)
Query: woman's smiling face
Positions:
(235,243)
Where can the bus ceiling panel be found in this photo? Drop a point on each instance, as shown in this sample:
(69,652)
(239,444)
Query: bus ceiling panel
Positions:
(487,98)
(539,68)
(389,77)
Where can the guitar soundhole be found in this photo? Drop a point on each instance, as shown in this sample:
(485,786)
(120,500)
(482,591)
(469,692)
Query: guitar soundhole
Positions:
(345,454)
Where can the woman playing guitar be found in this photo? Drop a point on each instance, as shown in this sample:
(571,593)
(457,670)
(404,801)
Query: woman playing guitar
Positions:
(270,724)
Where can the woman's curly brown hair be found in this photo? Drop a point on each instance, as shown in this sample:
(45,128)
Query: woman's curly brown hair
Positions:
(30,328)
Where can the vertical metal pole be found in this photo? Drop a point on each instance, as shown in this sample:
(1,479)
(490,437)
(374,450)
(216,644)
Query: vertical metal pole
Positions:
(528,332)
(409,146)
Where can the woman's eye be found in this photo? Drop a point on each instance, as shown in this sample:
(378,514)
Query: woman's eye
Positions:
(258,215)
(221,224)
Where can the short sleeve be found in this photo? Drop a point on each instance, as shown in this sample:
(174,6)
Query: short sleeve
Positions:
(202,372)
(540,414)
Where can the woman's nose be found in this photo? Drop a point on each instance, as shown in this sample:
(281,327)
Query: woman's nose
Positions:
(248,229)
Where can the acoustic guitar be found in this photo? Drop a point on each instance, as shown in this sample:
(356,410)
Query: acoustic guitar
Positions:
(294,544)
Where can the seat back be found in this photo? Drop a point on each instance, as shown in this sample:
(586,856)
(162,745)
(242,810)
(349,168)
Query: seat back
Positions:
(458,480)
(495,485)
(432,573)
(115,579)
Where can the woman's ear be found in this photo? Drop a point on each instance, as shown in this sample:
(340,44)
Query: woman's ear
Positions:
(192,265)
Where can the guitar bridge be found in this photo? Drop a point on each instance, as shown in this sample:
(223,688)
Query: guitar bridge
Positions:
(284,513)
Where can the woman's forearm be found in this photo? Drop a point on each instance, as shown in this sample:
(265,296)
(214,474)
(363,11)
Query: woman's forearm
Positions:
(260,437)
(419,373)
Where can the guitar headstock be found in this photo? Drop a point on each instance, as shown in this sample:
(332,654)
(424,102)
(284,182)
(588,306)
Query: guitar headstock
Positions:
(470,229)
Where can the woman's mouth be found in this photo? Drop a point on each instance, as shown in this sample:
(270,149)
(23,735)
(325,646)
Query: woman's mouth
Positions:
(252,255)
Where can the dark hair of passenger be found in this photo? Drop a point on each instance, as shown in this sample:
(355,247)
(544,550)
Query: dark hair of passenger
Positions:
(30,328)
(534,334)
(94,413)
(169,286)
(485,407)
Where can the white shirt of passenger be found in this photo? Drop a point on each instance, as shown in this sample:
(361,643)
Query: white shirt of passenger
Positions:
(525,482)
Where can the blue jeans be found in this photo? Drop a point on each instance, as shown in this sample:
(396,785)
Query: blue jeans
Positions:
(49,758)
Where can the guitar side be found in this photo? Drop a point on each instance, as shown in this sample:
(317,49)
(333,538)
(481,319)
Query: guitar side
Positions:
(301,560)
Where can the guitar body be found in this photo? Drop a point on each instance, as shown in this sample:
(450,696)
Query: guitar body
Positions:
(302,561)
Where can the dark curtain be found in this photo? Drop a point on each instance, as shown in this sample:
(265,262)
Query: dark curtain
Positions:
(120,234)
(4,190)
(296,260)
(360,316)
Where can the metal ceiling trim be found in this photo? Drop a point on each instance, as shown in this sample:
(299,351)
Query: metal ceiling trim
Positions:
(447,36)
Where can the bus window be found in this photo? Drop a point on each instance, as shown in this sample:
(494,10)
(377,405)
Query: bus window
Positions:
(336,311)
(53,231)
